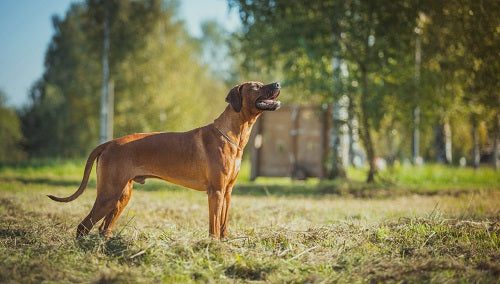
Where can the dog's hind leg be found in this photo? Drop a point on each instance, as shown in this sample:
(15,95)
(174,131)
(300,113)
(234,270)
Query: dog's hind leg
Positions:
(108,194)
(111,217)
(96,214)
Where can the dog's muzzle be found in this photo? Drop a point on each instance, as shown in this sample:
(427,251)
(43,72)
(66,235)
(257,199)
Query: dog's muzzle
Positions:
(268,99)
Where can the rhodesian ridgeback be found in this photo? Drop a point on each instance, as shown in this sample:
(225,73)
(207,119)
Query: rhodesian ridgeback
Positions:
(205,159)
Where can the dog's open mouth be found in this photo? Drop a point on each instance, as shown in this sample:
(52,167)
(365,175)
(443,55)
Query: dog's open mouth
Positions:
(269,102)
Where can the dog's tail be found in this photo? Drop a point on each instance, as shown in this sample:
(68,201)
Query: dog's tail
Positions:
(88,167)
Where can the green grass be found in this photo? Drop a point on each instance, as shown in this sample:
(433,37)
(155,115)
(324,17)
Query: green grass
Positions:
(438,177)
(431,224)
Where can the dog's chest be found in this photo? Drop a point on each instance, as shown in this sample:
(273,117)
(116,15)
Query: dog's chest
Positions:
(237,165)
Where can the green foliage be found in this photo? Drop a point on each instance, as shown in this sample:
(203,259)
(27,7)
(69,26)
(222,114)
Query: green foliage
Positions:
(460,65)
(373,37)
(159,85)
(11,136)
(456,80)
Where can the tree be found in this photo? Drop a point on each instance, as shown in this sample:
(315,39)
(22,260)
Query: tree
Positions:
(63,108)
(159,84)
(11,137)
(372,36)
(462,43)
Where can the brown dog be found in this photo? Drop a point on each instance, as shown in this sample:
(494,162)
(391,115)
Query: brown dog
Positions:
(205,159)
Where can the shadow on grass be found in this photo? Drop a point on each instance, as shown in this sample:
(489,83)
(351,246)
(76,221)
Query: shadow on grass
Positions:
(40,163)
(263,190)
(250,270)
(150,185)
(118,247)
(279,188)
(320,189)
(344,188)
(257,189)
(21,235)
(46,181)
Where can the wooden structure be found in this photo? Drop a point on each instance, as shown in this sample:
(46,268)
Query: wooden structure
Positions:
(291,142)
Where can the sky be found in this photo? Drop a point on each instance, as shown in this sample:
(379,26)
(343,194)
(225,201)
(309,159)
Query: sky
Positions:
(26,30)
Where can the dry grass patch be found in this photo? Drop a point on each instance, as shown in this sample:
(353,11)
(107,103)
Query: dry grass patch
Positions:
(294,237)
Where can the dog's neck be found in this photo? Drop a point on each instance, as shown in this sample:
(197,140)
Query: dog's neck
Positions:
(236,125)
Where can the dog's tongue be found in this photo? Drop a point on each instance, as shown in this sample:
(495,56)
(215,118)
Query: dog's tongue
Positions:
(275,95)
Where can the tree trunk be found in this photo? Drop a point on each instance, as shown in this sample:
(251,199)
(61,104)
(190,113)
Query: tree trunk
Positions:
(448,142)
(365,128)
(356,154)
(442,140)
(416,111)
(370,152)
(475,145)
(496,143)
(391,148)
(105,79)
(339,140)
(338,136)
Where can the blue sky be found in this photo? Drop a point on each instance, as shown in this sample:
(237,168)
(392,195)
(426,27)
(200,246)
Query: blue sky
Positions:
(26,30)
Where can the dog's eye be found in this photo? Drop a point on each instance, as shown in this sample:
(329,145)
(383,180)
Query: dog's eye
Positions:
(256,87)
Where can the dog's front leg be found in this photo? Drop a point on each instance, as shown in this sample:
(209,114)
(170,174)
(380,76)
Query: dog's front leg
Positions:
(225,211)
(215,203)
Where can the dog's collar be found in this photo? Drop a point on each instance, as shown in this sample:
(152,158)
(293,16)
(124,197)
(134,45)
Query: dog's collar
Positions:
(228,139)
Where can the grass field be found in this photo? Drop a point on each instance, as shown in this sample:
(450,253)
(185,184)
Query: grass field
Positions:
(431,224)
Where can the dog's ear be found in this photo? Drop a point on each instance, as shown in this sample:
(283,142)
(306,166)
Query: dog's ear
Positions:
(234,98)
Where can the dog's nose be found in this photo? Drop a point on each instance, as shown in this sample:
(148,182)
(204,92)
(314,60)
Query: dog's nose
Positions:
(277,85)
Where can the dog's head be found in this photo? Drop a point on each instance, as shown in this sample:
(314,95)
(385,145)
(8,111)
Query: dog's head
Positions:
(254,97)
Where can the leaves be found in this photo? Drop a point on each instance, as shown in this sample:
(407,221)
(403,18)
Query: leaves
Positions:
(10,133)
(377,41)
(159,84)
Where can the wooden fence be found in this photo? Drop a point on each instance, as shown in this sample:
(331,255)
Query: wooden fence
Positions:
(291,142)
